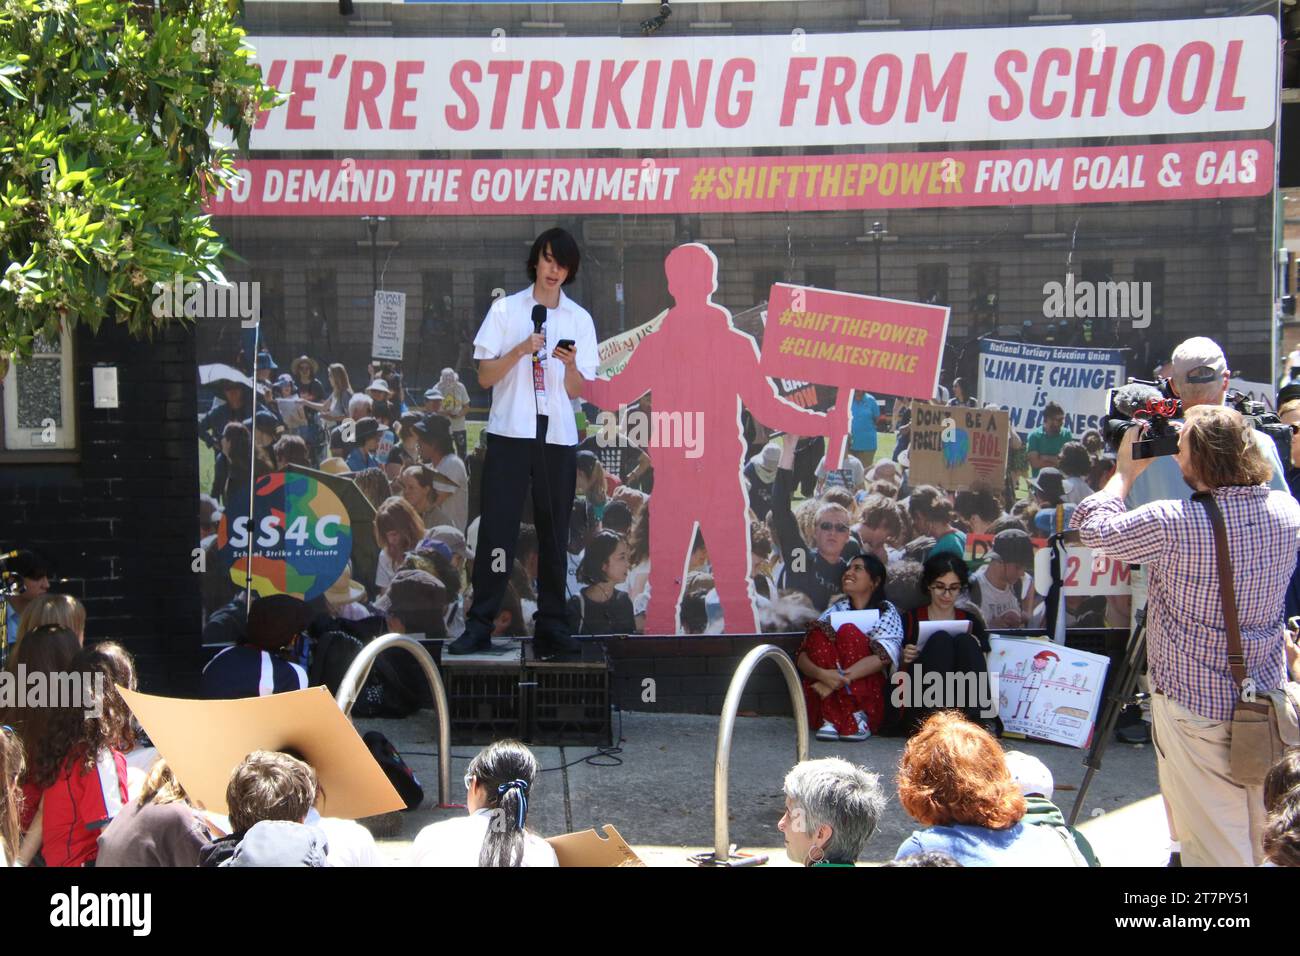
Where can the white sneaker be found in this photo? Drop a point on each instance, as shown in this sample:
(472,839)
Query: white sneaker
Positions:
(828,732)
(864,731)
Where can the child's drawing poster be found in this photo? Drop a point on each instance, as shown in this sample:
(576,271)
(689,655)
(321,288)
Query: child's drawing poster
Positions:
(1047,690)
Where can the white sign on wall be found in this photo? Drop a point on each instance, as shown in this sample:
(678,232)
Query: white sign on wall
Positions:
(390,326)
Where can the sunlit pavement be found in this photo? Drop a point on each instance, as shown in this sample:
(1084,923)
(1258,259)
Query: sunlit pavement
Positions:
(661,798)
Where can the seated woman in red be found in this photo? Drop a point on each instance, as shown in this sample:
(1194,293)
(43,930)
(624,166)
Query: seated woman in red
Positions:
(846,671)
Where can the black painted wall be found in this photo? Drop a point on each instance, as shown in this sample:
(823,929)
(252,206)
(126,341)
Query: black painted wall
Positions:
(120,525)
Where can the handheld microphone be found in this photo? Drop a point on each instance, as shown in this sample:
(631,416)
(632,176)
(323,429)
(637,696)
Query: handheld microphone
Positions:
(539,317)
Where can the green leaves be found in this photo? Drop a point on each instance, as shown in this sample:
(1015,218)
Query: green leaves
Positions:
(105,152)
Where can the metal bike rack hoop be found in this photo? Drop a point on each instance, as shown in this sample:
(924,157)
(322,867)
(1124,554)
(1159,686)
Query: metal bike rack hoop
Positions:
(730,706)
(359,670)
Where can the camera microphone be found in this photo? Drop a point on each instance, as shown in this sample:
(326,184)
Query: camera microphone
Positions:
(1135,396)
(8,556)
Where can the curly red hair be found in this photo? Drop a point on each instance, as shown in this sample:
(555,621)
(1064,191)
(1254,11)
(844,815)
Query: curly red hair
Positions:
(953,771)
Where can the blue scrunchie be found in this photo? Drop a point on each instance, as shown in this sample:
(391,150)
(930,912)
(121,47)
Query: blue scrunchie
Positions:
(523,797)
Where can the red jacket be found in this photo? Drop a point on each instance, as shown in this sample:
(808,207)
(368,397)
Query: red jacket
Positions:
(77,806)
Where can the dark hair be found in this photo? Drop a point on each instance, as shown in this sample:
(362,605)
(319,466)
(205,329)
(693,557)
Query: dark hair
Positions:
(937,565)
(563,248)
(695,613)
(437,432)
(292,450)
(592,568)
(617,517)
(876,569)
(980,503)
(1052,410)
(1282,801)
(1075,462)
(931,504)
(48,649)
(70,738)
(506,771)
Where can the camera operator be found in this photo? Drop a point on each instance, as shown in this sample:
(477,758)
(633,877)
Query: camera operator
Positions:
(1199,376)
(28,568)
(1194,696)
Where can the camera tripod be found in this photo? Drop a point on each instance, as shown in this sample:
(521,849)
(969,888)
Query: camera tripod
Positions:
(1123,691)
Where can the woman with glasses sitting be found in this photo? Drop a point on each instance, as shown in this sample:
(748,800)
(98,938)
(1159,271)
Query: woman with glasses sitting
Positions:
(943,671)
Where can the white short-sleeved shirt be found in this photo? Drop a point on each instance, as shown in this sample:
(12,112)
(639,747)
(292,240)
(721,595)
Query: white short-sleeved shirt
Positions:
(514,403)
(458,842)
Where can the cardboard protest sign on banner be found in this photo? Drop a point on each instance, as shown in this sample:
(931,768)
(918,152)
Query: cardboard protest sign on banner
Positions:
(204,740)
(845,339)
(1026,377)
(616,350)
(1047,690)
(389,333)
(954,447)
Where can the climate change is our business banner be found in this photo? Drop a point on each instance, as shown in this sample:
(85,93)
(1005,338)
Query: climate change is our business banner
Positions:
(1024,378)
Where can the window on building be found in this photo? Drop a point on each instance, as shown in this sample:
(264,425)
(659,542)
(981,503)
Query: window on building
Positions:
(820,277)
(323,308)
(932,283)
(40,401)
(1152,271)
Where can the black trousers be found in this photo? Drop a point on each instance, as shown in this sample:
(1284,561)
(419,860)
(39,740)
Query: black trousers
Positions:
(509,466)
(945,653)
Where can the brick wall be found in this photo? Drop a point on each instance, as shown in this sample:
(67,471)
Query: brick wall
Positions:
(121,523)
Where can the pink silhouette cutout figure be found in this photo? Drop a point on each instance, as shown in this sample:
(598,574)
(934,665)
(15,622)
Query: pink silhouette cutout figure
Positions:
(697,363)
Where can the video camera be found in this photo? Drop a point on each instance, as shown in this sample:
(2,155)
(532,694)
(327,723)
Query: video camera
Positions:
(1263,420)
(1150,404)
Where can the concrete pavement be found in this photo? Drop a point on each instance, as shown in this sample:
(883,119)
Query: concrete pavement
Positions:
(660,797)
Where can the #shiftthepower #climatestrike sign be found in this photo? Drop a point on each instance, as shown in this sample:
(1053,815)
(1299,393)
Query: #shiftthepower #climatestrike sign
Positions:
(1024,378)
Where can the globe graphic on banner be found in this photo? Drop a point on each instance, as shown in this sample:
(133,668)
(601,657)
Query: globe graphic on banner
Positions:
(300,535)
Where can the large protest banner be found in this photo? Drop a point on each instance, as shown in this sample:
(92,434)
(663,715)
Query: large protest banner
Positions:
(1024,378)
(1004,181)
(955,447)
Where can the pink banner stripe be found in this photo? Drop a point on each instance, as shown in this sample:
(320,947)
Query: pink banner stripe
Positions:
(1013,177)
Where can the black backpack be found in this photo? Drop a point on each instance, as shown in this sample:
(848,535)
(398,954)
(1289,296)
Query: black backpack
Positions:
(391,690)
(401,776)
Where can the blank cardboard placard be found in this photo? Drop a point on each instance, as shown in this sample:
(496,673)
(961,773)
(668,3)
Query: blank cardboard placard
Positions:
(590,848)
(204,740)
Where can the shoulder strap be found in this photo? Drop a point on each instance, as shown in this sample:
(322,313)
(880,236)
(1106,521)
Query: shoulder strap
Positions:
(1236,658)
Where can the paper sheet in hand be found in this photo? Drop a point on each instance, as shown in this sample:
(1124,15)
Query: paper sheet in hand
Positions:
(204,740)
(925,628)
(865,620)
(292,412)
